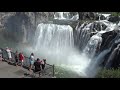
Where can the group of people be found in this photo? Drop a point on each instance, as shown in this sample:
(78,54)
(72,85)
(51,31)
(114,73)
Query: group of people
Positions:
(38,64)
(19,59)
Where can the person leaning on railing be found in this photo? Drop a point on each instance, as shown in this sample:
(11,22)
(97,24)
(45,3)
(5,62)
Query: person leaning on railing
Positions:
(43,62)
(37,65)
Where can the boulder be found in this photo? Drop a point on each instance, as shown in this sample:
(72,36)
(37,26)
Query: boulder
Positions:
(114,19)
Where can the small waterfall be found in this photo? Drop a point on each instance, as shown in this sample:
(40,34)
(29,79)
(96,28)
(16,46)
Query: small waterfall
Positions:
(95,63)
(65,16)
(25,34)
(83,35)
(111,58)
(93,45)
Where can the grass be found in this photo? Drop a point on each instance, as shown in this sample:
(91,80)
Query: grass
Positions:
(109,73)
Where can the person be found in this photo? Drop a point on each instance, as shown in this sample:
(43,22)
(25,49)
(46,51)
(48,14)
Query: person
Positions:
(1,58)
(9,53)
(16,58)
(37,65)
(21,58)
(31,61)
(43,62)
(1,55)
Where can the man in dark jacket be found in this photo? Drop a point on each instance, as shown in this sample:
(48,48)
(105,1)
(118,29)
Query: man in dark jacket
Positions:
(37,65)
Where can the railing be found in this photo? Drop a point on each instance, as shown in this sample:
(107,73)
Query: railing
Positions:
(48,71)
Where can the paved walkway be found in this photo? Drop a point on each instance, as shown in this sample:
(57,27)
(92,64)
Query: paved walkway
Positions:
(11,71)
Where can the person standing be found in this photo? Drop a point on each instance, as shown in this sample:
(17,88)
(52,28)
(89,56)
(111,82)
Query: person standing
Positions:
(37,65)
(9,54)
(16,58)
(31,61)
(1,55)
(43,62)
(21,58)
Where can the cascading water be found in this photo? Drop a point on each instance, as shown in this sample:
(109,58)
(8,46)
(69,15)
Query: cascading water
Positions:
(56,43)
(55,37)
(93,44)
(83,50)
(65,16)
(110,59)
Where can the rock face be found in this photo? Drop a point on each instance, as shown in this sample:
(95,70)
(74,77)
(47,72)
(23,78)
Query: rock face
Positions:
(111,40)
(90,16)
(107,38)
(18,26)
(114,19)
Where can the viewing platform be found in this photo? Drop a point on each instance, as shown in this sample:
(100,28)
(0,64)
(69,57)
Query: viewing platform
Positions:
(8,69)
(11,71)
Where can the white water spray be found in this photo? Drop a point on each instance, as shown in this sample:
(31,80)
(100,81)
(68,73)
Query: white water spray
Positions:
(56,44)
(65,16)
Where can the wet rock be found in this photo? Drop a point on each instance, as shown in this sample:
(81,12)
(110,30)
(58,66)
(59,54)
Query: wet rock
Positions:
(102,17)
(107,38)
(114,19)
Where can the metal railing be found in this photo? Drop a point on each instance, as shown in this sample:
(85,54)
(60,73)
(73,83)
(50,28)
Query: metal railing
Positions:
(48,71)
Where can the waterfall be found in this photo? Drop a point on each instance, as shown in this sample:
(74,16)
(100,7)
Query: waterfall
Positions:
(54,37)
(83,35)
(94,65)
(82,48)
(93,44)
(65,16)
(25,34)
(110,59)
(56,43)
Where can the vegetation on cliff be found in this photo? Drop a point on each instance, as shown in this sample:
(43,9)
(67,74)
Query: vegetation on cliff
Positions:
(109,73)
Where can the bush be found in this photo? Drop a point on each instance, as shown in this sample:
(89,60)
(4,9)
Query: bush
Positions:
(115,13)
(109,73)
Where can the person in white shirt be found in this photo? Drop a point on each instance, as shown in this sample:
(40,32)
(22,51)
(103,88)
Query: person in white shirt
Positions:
(9,53)
(31,61)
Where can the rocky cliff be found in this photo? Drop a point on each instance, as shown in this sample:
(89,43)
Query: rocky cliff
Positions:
(18,26)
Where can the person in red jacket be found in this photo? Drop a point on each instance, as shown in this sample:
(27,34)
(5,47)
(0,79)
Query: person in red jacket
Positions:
(21,58)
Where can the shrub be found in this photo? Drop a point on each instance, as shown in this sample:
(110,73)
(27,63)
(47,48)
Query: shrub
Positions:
(109,73)
(115,13)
